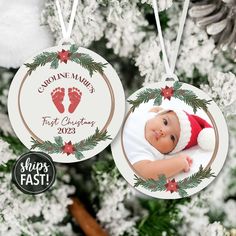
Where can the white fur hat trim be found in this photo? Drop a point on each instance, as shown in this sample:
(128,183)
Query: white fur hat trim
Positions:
(185,131)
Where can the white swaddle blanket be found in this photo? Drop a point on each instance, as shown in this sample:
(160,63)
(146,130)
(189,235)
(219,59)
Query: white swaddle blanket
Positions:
(137,148)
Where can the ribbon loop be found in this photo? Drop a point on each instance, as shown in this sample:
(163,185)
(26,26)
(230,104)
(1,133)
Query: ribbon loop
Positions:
(67,33)
(170,67)
(169,77)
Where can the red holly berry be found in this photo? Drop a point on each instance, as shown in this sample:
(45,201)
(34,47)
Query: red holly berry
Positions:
(172,186)
(68,148)
(63,56)
(167,92)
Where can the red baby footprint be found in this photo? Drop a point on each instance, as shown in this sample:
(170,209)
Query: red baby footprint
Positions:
(57,98)
(75,97)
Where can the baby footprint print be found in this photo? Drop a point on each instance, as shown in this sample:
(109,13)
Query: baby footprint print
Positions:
(75,97)
(57,98)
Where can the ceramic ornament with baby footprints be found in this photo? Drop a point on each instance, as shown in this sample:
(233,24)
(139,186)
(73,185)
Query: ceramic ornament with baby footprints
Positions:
(66,101)
(174,139)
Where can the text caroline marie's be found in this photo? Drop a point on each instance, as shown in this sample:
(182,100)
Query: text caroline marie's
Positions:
(66,75)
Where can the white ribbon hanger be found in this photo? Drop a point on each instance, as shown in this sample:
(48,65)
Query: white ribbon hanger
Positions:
(170,67)
(67,33)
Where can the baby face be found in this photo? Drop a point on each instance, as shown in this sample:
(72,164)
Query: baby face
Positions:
(163,132)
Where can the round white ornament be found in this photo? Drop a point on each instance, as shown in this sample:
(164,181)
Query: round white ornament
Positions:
(202,141)
(68,102)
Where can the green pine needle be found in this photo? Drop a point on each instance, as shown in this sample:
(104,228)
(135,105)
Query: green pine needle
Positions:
(47,146)
(84,145)
(182,192)
(73,48)
(54,64)
(151,184)
(41,60)
(7,167)
(186,96)
(191,99)
(14,144)
(177,85)
(85,60)
(145,96)
(88,63)
(195,179)
(79,155)
(59,141)
(90,142)
(187,183)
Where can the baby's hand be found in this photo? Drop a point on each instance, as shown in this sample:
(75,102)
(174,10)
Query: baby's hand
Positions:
(187,162)
(190,162)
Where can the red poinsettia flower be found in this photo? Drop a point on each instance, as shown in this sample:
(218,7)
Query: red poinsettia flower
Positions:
(172,186)
(63,56)
(68,148)
(167,92)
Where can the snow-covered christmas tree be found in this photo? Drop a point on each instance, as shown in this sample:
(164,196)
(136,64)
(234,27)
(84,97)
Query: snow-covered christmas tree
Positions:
(123,32)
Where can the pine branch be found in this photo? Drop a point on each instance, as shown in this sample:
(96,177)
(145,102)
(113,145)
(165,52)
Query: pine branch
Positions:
(58,141)
(182,192)
(84,145)
(73,48)
(41,60)
(79,155)
(191,99)
(7,167)
(54,64)
(81,58)
(177,85)
(88,63)
(92,141)
(184,95)
(14,144)
(161,183)
(47,146)
(166,213)
(195,179)
(151,184)
(145,96)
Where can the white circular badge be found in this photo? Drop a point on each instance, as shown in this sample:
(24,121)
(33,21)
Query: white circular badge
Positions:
(67,102)
(173,142)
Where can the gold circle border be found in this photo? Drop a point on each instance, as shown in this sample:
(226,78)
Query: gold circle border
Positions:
(102,130)
(213,155)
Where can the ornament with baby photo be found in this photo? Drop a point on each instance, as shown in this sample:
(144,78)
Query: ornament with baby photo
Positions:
(173,141)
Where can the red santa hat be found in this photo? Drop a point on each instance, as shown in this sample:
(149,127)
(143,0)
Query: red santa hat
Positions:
(194,131)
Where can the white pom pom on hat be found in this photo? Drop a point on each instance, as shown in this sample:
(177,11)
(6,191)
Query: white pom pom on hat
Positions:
(194,131)
(206,139)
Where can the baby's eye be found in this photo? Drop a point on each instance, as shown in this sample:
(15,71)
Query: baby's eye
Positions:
(172,137)
(165,121)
